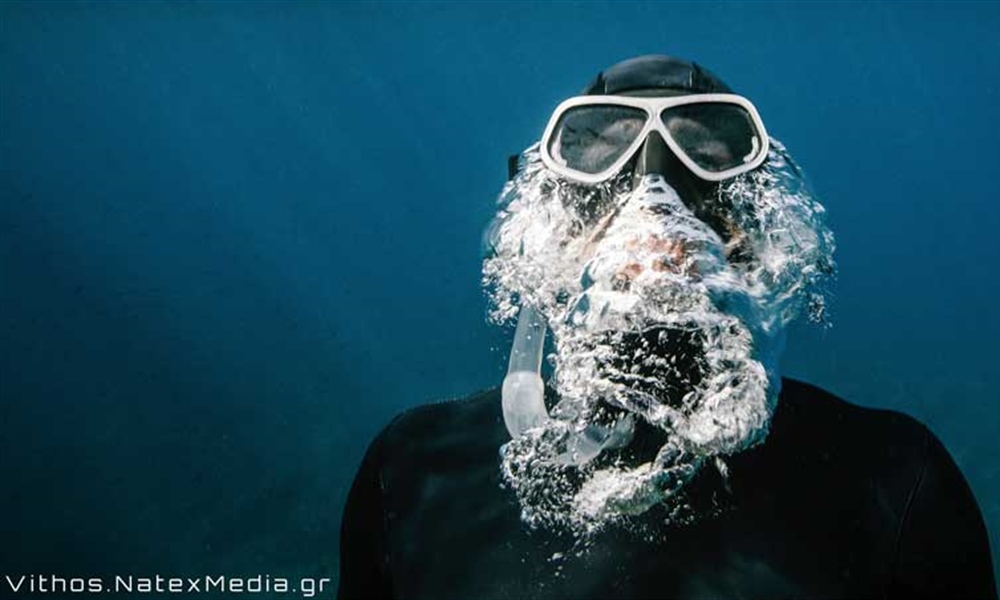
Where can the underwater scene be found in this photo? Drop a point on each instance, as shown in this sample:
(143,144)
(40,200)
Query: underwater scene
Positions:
(238,238)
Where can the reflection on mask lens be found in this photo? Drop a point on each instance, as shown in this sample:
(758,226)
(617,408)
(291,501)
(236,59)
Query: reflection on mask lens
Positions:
(590,139)
(717,137)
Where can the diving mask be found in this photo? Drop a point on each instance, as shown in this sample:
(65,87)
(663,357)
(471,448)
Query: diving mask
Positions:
(716,136)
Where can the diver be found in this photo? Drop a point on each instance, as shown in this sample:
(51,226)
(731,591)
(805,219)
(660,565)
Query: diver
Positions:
(651,248)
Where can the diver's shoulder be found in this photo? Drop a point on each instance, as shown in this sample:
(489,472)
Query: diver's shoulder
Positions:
(447,422)
(480,404)
(808,404)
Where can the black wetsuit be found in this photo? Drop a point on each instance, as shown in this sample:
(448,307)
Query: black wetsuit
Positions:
(839,502)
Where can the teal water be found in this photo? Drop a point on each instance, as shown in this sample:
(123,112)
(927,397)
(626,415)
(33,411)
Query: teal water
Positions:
(236,238)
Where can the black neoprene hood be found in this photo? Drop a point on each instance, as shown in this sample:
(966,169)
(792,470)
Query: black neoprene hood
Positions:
(656,71)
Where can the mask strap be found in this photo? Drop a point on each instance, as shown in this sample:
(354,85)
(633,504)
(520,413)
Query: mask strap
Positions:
(512,164)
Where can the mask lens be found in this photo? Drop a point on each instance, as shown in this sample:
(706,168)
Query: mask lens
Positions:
(716,136)
(589,139)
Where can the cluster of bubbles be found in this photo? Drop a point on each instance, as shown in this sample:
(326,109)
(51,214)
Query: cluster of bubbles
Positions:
(658,319)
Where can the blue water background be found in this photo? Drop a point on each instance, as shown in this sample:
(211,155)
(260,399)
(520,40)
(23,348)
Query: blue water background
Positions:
(236,238)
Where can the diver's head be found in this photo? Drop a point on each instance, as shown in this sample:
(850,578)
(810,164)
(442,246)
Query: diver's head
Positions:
(656,115)
(665,242)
